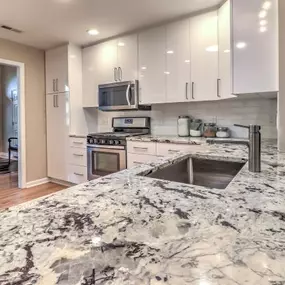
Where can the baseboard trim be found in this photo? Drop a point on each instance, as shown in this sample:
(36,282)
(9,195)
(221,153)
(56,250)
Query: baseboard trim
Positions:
(37,182)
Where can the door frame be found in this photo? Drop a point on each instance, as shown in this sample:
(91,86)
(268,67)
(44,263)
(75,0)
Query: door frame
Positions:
(22,162)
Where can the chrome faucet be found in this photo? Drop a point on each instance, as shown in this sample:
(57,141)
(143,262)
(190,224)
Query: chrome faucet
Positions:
(253,143)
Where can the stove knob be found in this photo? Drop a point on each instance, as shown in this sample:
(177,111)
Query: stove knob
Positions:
(102,141)
(91,141)
(111,142)
(117,142)
(95,141)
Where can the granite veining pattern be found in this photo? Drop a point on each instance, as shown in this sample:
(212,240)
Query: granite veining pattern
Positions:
(129,229)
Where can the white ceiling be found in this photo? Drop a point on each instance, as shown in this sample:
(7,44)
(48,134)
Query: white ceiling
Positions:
(47,23)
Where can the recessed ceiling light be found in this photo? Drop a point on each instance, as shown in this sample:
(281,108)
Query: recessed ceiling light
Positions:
(263,29)
(266,5)
(170,52)
(227,51)
(166,72)
(262,14)
(241,45)
(143,67)
(214,48)
(92,32)
(121,44)
(263,23)
(187,60)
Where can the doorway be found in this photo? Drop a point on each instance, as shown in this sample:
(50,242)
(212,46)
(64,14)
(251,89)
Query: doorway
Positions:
(12,125)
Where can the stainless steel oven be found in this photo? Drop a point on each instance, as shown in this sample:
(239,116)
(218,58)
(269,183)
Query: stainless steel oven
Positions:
(104,160)
(120,96)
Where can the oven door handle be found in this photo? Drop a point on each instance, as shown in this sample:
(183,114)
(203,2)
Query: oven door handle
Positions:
(128,94)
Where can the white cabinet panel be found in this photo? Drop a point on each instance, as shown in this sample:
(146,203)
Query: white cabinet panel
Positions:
(57,135)
(164,149)
(57,70)
(127,57)
(77,156)
(148,148)
(225,71)
(255,46)
(204,56)
(77,174)
(77,142)
(138,159)
(152,65)
(178,61)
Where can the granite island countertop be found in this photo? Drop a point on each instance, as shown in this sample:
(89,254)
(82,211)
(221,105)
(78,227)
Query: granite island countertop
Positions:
(129,229)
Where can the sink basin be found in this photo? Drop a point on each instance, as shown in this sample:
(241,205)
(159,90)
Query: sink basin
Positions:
(202,172)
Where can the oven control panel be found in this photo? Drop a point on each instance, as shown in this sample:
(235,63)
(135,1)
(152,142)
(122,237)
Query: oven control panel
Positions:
(105,141)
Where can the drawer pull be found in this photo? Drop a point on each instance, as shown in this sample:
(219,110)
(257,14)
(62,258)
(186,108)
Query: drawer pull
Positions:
(78,174)
(173,150)
(139,163)
(76,154)
(140,148)
(78,142)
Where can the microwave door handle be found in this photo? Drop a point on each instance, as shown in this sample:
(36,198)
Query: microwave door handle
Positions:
(127,94)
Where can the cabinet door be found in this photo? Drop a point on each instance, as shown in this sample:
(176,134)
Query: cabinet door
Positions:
(204,56)
(225,71)
(57,70)
(255,46)
(57,135)
(152,66)
(178,62)
(128,58)
(99,63)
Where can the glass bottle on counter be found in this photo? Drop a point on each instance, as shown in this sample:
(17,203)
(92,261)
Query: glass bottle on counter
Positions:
(183,126)
(209,130)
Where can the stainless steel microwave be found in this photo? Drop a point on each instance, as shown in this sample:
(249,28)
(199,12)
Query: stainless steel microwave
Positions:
(120,96)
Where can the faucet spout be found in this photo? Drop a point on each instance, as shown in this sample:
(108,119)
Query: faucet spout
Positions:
(253,143)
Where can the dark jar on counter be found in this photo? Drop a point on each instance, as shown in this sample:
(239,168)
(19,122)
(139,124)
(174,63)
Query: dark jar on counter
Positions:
(209,130)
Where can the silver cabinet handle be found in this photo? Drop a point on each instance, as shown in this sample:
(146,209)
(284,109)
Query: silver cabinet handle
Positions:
(120,71)
(173,150)
(76,154)
(78,142)
(186,90)
(78,174)
(141,148)
(57,84)
(139,163)
(192,90)
(53,101)
(127,94)
(115,73)
(218,88)
(56,100)
(53,85)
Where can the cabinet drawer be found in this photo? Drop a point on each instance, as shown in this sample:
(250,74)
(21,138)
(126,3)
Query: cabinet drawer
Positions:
(164,149)
(77,174)
(77,156)
(77,142)
(137,159)
(142,148)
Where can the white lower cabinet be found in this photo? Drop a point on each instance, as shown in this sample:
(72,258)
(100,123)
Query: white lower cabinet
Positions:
(77,174)
(77,156)
(138,159)
(165,149)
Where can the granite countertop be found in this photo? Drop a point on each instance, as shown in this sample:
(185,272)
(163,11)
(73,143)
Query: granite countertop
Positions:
(133,230)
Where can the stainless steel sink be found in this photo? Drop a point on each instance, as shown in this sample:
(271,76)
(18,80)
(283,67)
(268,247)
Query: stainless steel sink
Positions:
(202,172)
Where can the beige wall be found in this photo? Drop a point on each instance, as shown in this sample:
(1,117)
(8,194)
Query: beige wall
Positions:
(34,61)
(281,99)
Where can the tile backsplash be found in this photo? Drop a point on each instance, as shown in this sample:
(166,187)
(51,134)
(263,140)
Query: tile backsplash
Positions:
(225,113)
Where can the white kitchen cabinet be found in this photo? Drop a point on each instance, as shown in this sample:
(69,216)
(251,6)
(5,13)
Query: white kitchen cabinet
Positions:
(204,56)
(178,62)
(146,148)
(57,70)
(225,68)
(57,134)
(77,174)
(152,66)
(112,61)
(139,159)
(165,149)
(255,46)
(127,62)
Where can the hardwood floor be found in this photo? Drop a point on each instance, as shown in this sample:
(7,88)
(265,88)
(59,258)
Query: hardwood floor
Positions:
(11,195)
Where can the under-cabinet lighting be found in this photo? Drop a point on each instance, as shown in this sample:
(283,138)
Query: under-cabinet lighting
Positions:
(262,14)
(170,52)
(263,23)
(266,5)
(92,32)
(262,29)
(214,48)
(241,45)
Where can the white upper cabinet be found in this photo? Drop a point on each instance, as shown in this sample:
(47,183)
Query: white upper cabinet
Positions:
(115,60)
(152,65)
(225,69)
(204,56)
(57,70)
(178,64)
(255,46)
(127,58)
